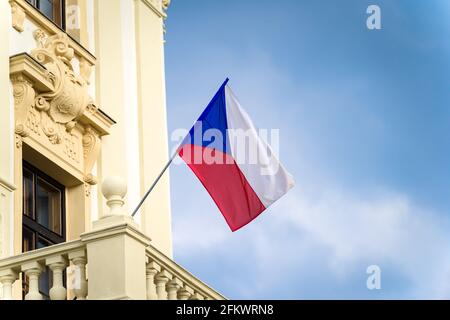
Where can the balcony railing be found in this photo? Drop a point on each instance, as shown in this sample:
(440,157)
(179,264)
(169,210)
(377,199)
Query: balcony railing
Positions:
(100,254)
(167,280)
(32,264)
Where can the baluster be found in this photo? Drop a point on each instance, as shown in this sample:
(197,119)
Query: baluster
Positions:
(80,289)
(7,278)
(57,265)
(196,296)
(33,270)
(185,293)
(161,280)
(152,270)
(172,288)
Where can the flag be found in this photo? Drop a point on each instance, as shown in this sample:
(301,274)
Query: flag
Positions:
(237,168)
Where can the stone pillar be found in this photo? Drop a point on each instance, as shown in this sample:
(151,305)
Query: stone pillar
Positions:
(79,260)
(57,264)
(33,271)
(185,293)
(6,132)
(161,281)
(172,288)
(116,250)
(7,279)
(130,87)
(152,270)
(109,87)
(153,133)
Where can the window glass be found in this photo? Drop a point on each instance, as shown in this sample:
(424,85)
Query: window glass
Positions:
(48,206)
(47,8)
(45,280)
(28,193)
(45,283)
(43,210)
(52,9)
(28,240)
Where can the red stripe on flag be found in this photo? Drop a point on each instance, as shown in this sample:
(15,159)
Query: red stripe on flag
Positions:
(227,185)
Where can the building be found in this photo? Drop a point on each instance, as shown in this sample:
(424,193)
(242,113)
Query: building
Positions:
(82,98)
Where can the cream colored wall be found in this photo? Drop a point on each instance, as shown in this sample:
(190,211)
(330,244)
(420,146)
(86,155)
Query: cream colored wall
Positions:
(110,87)
(153,123)
(131,116)
(130,87)
(6,142)
(128,83)
(77,207)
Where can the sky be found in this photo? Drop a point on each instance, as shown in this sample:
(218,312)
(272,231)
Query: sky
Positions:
(364,119)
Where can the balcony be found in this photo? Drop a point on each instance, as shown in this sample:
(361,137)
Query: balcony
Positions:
(113,261)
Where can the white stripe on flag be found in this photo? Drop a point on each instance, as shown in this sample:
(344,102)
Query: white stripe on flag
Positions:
(268,178)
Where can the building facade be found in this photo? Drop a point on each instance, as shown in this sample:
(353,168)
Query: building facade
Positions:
(82,98)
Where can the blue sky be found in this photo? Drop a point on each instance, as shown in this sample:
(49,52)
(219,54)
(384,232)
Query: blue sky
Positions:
(364,118)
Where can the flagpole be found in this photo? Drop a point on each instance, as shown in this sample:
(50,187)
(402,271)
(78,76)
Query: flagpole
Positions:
(155,183)
(164,170)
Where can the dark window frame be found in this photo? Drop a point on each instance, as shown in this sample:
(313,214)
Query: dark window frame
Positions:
(31,222)
(37,231)
(59,11)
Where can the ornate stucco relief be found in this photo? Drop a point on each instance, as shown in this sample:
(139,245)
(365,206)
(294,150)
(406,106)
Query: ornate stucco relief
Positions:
(52,105)
(61,108)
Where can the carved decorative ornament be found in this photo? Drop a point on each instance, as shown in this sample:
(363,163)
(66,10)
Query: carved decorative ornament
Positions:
(18,17)
(67,102)
(52,105)
(165,4)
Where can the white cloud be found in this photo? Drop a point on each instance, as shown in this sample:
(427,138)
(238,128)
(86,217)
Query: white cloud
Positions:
(385,229)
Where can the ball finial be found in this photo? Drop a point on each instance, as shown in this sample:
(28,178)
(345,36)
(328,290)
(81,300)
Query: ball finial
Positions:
(114,189)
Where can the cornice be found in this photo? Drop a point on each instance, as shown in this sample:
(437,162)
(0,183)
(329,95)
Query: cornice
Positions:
(29,67)
(157,6)
(22,7)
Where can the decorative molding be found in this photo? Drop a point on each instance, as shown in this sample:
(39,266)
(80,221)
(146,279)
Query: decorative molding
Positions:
(19,141)
(91,150)
(27,66)
(64,105)
(50,28)
(53,110)
(87,189)
(18,16)
(24,94)
(157,6)
(97,119)
(165,4)
(7,185)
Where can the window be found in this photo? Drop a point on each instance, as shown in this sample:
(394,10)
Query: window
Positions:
(52,9)
(43,217)
(43,207)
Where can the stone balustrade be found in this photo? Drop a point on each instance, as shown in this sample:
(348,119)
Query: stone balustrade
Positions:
(117,256)
(166,280)
(32,264)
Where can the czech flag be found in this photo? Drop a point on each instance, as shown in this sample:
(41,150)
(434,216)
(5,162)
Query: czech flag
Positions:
(237,168)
